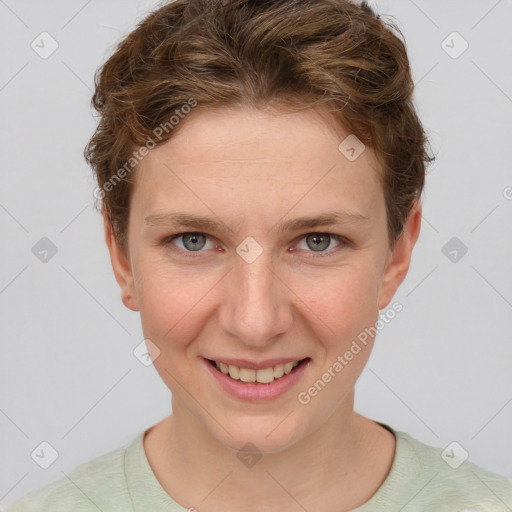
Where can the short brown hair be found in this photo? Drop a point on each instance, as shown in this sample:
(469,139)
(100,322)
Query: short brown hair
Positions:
(287,53)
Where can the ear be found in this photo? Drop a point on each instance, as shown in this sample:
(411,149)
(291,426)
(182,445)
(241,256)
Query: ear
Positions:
(121,266)
(400,256)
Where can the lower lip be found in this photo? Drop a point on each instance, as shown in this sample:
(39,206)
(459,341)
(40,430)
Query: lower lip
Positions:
(256,392)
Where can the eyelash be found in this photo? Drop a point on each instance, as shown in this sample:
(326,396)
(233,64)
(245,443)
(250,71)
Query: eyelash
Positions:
(344,242)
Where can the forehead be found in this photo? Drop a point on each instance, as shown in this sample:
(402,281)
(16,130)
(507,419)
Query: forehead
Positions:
(246,154)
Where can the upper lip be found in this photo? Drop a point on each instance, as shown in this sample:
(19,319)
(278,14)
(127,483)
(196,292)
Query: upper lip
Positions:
(259,365)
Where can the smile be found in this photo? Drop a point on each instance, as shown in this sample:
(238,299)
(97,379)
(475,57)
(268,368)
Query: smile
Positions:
(262,376)
(257,384)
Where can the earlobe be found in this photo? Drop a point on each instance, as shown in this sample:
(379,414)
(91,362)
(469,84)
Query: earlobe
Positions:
(400,257)
(121,267)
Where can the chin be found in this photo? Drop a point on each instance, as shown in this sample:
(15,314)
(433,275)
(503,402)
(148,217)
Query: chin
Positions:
(269,434)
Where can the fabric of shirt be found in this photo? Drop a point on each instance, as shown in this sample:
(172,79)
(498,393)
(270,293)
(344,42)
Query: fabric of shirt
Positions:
(421,478)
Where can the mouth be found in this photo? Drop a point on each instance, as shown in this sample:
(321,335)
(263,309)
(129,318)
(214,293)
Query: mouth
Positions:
(262,376)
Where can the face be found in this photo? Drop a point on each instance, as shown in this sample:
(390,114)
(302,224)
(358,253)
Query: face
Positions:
(257,282)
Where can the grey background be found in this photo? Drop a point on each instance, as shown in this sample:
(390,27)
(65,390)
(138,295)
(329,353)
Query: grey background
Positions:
(440,371)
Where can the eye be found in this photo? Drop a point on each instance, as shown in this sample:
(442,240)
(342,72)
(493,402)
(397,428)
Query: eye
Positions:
(194,242)
(191,242)
(321,241)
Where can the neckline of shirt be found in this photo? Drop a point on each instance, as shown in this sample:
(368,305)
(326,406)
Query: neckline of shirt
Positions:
(147,492)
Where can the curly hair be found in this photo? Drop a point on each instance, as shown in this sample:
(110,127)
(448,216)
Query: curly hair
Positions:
(286,54)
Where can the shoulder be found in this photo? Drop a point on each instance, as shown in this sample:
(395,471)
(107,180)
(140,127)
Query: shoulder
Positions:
(445,480)
(99,484)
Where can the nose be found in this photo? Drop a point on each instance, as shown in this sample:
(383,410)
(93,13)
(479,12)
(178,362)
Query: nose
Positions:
(256,303)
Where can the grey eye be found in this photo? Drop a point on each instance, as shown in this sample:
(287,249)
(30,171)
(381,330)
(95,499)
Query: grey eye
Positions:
(318,241)
(193,241)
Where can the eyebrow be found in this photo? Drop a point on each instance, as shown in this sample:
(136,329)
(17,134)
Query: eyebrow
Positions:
(207,224)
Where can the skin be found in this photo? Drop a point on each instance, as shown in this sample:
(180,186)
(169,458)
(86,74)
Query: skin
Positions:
(250,169)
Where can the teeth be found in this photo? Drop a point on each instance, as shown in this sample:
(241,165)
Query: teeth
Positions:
(263,376)
(278,371)
(247,375)
(234,372)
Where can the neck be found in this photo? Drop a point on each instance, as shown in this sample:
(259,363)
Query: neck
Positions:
(338,467)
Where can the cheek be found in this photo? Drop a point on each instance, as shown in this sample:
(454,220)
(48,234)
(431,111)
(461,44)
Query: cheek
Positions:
(347,304)
(337,303)
(344,300)
(172,302)
(172,316)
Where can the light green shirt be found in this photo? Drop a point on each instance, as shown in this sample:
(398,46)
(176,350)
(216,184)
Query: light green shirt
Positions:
(420,480)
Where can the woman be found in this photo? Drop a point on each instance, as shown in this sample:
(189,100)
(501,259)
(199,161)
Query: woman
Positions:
(260,166)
